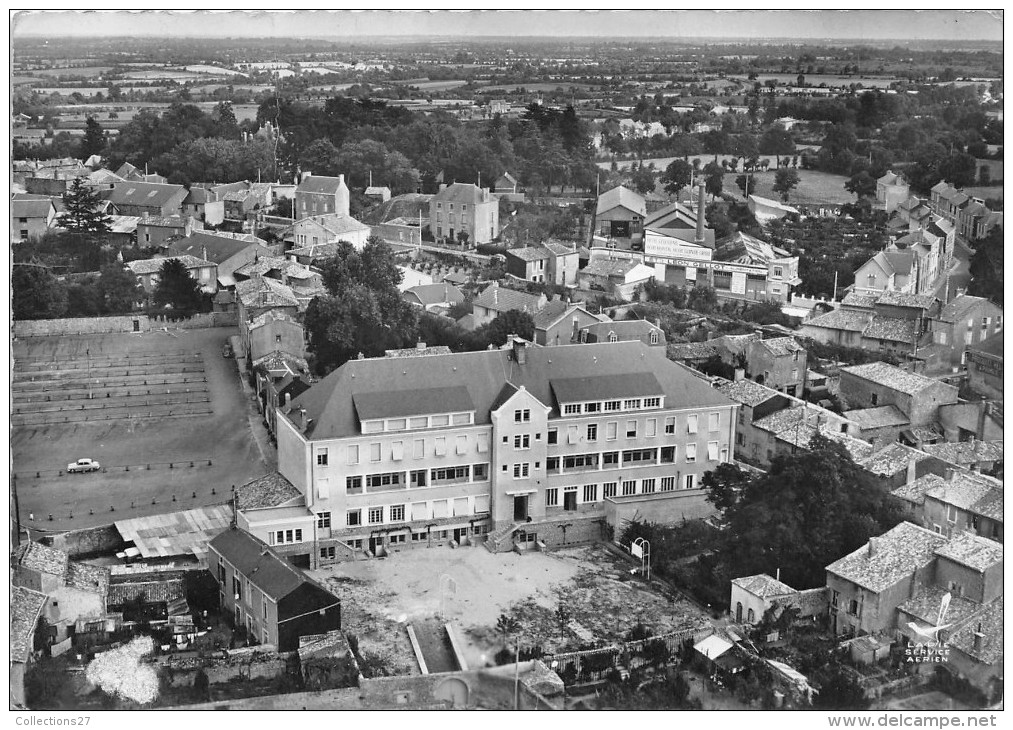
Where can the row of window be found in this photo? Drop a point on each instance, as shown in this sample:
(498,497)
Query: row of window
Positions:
(397,449)
(628,488)
(416,478)
(464,206)
(633,457)
(284,537)
(395,513)
(418,423)
(611,406)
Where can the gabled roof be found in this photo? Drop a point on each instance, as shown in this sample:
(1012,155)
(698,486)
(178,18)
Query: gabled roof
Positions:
(891,376)
(144,193)
(26,608)
(890,178)
(610,267)
(321,184)
(530,253)
(892,329)
(747,392)
(33,208)
(502,299)
(428,294)
(915,491)
(958,308)
(621,196)
(781,346)
(966,453)
(990,620)
(763,586)
(42,559)
(219,247)
(626,329)
(891,459)
(166,221)
(270,490)
(262,292)
(894,556)
(901,299)
(878,417)
(259,564)
(742,248)
(691,350)
(153,266)
(975,552)
(468,193)
(332,403)
(841,319)
(335,223)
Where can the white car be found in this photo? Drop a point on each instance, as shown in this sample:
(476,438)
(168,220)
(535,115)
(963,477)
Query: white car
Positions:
(82,465)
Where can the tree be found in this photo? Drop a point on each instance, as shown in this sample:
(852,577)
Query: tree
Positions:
(861,185)
(723,485)
(785,180)
(177,288)
(987,267)
(37,294)
(81,214)
(94,140)
(839,690)
(746,183)
(363,311)
(810,508)
(714,176)
(119,289)
(702,298)
(677,175)
(226,124)
(511,322)
(644,180)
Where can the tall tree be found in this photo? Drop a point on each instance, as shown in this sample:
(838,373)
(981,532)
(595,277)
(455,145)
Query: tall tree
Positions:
(119,288)
(809,509)
(678,175)
(363,311)
(81,211)
(94,140)
(226,124)
(987,267)
(785,180)
(714,175)
(177,288)
(37,294)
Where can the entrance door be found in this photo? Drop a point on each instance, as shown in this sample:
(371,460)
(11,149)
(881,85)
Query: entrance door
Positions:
(570,501)
(452,235)
(460,533)
(520,508)
(375,543)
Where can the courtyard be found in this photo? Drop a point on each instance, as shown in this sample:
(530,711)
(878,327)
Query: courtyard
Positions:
(163,413)
(470,588)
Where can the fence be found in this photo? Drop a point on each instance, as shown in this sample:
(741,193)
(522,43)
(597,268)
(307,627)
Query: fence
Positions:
(593,665)
(127,323)
(24,420)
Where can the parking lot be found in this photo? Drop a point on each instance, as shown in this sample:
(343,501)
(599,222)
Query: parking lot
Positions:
(163,412)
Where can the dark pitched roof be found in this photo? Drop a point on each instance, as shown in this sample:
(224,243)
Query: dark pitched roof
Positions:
(463,193)
(893,557)
(621,196)
(31,208)
(891,376)
(257,562)
(426,294)
(502,299)
(333,402)
(219,248)
(589,388)
(412,402)
(320,184)
(956,309)
(990,346)
(144,193)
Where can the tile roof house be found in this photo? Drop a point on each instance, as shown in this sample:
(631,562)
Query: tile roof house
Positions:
(619,217)
(228,251)
(965,322)
(272,599)
(274,330)
(140,198)
(985,367)
(147,271)
(258,295)
(961,502)
(464,208)
(562,323)
(549,262)
(75,590)
(434,297)
(495,300)
(321,195)
(624,331)
(31,217)
(618,277)
(27,607)
(309,233)
(878,384)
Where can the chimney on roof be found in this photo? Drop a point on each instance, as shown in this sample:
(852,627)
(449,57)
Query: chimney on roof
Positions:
(979,638)
(420,345)
(911,474)
(913,587)
(873,546)
(443,186)
(307,174)
(519,348)
(739,374)
(951,474)
(288,400)
(700,212)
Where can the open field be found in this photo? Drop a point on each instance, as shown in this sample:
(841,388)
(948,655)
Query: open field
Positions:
(88,396)
(381,597)
(814,187)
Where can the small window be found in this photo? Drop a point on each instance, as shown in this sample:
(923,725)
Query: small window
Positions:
(714,421)
(592,432)
(609,489)
(354,518)
(375,515)
(553,436)
(691,422)
(522,441)
(631,429)
(322,457)
(690,453)
(670,425)
(397,513)
(590,493)
(689,482)
(654,337)
(323,519)
(551,497)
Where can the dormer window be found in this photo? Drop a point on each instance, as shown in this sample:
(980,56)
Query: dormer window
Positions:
(654,337)
(613,337)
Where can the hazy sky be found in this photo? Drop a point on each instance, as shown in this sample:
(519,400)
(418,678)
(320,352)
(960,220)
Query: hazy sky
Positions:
(689,24)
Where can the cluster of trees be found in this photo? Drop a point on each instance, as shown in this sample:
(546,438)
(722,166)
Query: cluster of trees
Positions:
(38,294)
(986,267)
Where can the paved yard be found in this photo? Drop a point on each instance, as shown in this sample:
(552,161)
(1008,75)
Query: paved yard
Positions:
(380,597)
(223,436)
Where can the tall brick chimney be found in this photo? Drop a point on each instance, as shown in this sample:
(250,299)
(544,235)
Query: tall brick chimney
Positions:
(700,210)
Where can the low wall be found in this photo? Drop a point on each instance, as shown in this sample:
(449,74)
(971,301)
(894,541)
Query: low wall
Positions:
(221,671)
(92,541)
(124,323)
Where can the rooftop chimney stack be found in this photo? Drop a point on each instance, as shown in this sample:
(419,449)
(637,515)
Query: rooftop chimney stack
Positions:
(979,638)
(700,212)
(520,349)
(873,547)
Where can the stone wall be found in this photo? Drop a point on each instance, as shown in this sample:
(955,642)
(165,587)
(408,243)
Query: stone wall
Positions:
(89,542)
(181,672)
(125,323)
